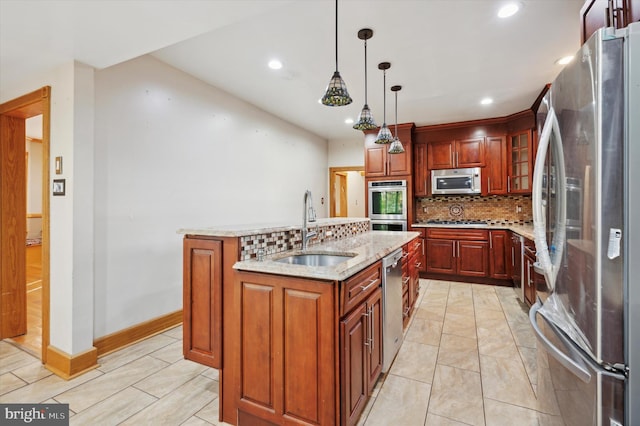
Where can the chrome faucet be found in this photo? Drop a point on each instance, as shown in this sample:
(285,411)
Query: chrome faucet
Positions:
(308,215)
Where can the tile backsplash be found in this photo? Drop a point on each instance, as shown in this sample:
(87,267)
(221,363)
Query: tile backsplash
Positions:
(276,242)
(496,209)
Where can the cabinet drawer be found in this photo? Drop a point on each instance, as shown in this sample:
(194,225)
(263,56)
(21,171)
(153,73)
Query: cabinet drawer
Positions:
(357,288)
(458,234)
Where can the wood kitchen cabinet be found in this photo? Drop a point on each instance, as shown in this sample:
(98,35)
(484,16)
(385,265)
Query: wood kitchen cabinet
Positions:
(286,341)
(521,158)
(462,252)
(360,356)
(421,174)
(532,279)
(596,14)
(494,176)
(412,263)
(202,301)
(377,160)
(456,154)
(499,244)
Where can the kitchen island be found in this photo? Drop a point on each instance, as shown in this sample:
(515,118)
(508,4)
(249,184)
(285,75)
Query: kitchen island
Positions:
(294,343)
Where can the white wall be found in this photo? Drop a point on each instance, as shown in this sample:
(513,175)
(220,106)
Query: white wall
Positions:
(347,152)
(173,152)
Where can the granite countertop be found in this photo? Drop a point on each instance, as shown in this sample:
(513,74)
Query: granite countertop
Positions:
(526,230)
(367,249)
(262,228)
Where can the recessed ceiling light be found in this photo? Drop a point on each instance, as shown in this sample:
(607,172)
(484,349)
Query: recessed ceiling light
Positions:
(508,9)
(565,60)
(275,64)
(349,121)
(486,101)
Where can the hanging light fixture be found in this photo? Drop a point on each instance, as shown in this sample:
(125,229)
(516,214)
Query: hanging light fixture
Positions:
(396,146)
(365,119)
(384,135)
(336,94)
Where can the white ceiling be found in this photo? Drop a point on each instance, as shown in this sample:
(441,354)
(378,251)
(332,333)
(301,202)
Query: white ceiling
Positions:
(447,54)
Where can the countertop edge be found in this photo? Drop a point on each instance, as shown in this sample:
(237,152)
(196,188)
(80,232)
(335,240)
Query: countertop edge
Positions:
(367,253)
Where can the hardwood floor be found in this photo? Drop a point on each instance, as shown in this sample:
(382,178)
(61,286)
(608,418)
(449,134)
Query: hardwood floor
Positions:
(32,340)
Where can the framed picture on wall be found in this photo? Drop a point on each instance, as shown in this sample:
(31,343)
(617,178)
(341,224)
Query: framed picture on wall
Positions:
(58,186)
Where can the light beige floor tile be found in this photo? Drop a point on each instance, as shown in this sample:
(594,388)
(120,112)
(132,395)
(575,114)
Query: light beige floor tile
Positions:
(115,409)
(9,382)
(47,388)
(497,342)
(170,353)
(164,381)
(460,352)
(210,412)
(32,372)
(529,359)
(506,380)
(415,361)
(196,421)
(425,331)
(438,285)
(177,406)
(211,373)
(131,353)
(401,401)
(83,396)
(175,332)
(486,300)
(460,325)
(457,395)
(501,414)
(461,308)
(12,358)
(523,333)
(435,298)
(430,312)
(487,318)
(433,420)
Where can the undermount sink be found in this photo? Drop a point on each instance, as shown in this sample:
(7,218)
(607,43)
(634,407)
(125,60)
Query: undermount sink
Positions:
(316,259)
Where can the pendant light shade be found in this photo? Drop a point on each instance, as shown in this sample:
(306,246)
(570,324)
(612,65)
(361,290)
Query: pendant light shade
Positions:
(365,119)
(396,146)
(336,93)
(384,135)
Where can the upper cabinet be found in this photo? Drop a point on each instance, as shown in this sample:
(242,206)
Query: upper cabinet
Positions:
(494,178)
(455,154)
(520,154)
(597,14)
(377,160)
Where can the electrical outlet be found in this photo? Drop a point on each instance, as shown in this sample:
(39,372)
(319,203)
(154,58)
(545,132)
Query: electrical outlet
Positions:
(518,209)
(425,210)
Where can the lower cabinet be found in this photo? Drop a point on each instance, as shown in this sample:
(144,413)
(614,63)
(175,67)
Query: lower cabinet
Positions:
(202,301)
(462,252)
(360,356)
(499,244)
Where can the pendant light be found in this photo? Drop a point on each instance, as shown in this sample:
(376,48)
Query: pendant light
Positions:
(336,94)
(396,146)
(384,135)
(365,119)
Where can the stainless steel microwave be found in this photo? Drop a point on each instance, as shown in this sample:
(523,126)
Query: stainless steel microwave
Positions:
(456,181)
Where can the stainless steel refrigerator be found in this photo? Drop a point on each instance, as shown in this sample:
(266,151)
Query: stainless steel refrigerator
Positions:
(586,202)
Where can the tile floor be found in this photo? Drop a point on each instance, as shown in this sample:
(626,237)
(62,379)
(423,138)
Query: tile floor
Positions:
(468,358)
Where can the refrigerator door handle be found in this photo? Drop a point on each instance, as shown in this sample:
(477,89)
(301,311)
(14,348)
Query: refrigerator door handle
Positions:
(577,367)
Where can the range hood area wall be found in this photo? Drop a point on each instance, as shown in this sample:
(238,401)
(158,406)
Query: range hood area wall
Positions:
(172,152)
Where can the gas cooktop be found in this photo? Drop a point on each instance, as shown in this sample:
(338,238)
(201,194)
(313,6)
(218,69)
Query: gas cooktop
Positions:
(456,222)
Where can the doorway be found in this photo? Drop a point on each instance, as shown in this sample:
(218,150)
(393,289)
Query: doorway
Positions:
(346,192)
(19,229)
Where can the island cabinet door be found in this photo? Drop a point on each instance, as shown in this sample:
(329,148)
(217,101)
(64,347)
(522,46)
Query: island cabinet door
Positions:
(202,292)
(354,338)
(287,367)
(374,347)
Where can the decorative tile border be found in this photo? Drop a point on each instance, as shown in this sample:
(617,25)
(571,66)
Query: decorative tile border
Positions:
(276,242)
(497,210)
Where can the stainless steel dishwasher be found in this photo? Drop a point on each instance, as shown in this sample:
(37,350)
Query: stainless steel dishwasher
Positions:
(391,307)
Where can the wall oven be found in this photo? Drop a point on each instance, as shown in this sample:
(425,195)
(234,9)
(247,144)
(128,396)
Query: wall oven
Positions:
(388,205)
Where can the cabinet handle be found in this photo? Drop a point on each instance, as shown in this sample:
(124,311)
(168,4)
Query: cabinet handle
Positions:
(406,280)
(405,255)
(365,288)
(372,338)
(489,184)
(405,313)
(457,160)
(490,242)
(508,183)
(513,257)
(451,155)
(418,264)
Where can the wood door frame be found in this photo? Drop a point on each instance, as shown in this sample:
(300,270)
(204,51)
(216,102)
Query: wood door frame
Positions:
(333,171)
(30,105)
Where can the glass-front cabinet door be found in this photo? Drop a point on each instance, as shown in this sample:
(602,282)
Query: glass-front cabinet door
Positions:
(520,162)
